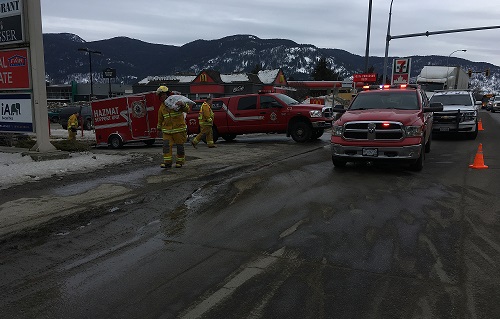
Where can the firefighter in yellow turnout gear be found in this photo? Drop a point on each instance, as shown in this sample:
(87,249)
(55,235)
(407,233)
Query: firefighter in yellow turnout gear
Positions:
(72,126)
(206,119)
(173,127)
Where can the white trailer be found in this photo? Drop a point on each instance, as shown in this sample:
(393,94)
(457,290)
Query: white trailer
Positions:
(434,77)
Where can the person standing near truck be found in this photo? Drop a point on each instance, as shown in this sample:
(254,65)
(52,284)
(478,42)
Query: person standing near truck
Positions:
(72,126)
(206,120)
(173,126)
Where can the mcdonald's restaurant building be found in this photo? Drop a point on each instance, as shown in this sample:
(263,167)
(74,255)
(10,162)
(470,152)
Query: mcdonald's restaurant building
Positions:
(212,83)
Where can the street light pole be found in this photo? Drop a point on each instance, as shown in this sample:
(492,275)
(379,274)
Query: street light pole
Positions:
(448,69)
(89,52)
(448,59)
(367,51)
(387,39)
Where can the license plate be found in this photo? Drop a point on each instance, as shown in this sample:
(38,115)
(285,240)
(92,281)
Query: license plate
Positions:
(373,152)
(444,129)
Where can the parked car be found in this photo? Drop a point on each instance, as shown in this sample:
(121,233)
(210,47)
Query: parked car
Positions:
(53,115)
(495,104)
(85,116)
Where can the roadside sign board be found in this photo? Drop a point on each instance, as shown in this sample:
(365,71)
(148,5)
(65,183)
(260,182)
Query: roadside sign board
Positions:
(109,73)
(11,22)
(14,70)
(16,113)
(364,77)
(400,79)
(401,71)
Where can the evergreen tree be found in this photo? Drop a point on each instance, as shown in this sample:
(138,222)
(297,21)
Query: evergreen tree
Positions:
(256,69)
(322,72)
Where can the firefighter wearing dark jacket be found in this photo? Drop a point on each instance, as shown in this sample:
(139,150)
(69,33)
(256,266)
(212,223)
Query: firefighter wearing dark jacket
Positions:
(206,120)
(72,126)
(173,127)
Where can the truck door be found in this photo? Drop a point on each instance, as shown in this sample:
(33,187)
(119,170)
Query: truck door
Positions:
(246,117)
(138,115)
(272,111)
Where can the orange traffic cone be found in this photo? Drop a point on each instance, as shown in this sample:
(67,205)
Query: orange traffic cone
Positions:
(480,125)
(478,160)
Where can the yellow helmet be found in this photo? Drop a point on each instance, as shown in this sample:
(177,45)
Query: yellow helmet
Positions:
(162,89)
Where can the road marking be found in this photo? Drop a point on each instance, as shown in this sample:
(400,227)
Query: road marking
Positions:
(292,229)
(250,271)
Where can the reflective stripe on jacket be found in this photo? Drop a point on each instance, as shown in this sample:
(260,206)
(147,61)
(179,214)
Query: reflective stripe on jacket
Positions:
(206,116)
(170,121)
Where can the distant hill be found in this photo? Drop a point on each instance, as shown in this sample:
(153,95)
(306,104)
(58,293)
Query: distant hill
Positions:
(134,59)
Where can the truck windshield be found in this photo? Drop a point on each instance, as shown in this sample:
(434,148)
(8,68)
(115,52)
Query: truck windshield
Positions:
(462,99)
(286,99)
(401,100)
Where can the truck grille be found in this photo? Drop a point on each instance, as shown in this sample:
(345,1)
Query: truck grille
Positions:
(327,112)
(453,117)
(373,131)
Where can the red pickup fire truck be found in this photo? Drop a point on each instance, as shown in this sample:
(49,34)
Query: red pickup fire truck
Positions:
(264,113)
(385,123)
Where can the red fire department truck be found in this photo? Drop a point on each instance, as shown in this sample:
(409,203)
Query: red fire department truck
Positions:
(126,119)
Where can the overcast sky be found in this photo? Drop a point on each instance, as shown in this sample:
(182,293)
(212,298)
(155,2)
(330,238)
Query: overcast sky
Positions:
(323,23)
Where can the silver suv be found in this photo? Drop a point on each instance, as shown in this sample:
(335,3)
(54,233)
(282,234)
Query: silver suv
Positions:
(459,115)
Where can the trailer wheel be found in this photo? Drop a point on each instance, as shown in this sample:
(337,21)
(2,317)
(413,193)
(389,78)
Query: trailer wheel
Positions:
(115,142)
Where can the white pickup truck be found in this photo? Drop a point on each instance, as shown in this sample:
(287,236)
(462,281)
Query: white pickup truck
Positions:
(459,115)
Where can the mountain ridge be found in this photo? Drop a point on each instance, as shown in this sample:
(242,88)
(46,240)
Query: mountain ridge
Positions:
(135,59)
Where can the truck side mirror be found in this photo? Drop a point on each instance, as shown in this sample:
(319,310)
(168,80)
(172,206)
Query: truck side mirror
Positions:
(434,107)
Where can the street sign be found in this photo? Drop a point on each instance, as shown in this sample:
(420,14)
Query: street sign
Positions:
(400,79)
(109,73)
(14,70)
(364,77)
(401,71)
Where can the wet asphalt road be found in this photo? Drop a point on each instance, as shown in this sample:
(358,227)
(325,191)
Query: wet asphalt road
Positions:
(287,237)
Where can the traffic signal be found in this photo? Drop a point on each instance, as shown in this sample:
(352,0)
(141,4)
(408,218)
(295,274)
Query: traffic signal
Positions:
(487,72)
(470,72)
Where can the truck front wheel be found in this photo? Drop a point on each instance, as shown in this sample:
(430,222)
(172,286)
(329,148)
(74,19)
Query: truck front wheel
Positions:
(338,162)
(317,133)
(301,132)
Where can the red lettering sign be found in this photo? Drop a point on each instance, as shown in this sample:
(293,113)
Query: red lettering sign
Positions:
(14,70)
(364,77)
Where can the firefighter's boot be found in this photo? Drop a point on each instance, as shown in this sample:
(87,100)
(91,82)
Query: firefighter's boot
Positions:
(166,165)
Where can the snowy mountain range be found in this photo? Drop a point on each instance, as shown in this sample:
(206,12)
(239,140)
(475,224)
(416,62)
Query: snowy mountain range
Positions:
(134,59)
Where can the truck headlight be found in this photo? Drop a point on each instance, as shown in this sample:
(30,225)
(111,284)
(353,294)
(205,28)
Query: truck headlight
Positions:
(413,131)
(315,113)
(469,116)
(337,130)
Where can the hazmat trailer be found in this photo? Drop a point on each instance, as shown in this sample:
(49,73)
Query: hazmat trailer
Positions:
(126,119)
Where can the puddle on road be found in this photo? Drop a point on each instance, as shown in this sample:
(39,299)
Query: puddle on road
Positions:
(130,179)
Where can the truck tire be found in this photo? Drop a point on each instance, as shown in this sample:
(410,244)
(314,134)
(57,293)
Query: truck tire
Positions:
(317,133)
(473,135)
(419,163)
(301,132)
(229,137)
(87,125)
(428,144)
(115,142)
(338,162)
